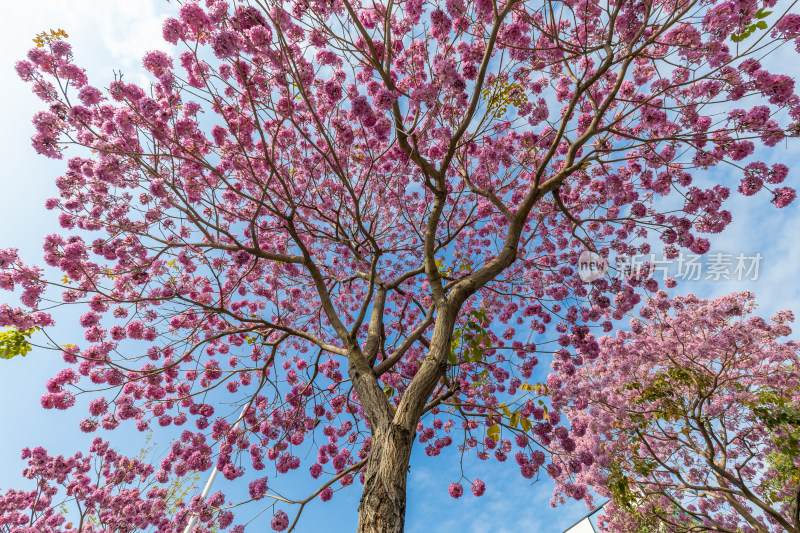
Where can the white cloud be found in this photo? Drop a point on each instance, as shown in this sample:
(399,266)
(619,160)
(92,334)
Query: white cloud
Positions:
(105,35)
(125,29)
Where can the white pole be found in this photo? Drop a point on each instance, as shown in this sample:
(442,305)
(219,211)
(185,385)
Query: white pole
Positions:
(207,488)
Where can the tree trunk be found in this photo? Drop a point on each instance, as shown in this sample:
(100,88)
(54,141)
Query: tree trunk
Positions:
(383,502)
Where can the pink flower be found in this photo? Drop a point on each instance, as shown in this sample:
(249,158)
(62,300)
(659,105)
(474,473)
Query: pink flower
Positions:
(455,490)
(172,30)
(194,17)
(226,44)
(788,26)
(384,99)
(98,406)
(440,24)
(700,246)
(25,69)
(90,95)
(258,488)
(783,196)
(778,173)
(280,521)
(750,185)
(360,107)
(157,62)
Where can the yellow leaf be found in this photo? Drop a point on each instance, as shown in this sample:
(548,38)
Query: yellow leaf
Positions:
(526,424)
(494,432)
(526,387)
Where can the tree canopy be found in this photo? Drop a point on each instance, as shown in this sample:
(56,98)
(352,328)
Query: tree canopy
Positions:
(692,419)
(358,223)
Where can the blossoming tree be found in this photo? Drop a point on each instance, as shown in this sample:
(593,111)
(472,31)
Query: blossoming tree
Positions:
(692,420)
(101,491)
(348,218)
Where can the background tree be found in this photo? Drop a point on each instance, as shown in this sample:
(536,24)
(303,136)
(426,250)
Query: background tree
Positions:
(346,219)
(104,491)
(692,419)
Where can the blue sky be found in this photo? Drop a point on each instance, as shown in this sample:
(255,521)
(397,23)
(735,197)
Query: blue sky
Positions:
(113,34)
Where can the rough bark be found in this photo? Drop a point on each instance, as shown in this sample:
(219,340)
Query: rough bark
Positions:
(383,502)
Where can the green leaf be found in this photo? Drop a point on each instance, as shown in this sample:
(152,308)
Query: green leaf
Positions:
(15,342)
(761,25)
(454,344)
(388,391)
(514,419)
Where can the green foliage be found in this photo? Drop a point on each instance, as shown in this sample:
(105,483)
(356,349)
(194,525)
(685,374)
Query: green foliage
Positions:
(760,25)
(668,388)
(782,419)
(619,487)
(786,474)
(500,94)
(15,342)
(460,266)
(472,338)
(44,38)
(625,494)
(494,432)
(388,391)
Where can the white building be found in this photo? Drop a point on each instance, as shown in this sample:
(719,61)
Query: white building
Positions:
(584,526)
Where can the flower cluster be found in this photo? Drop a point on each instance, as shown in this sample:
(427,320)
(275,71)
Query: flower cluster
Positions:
(98,491)
(657,407)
